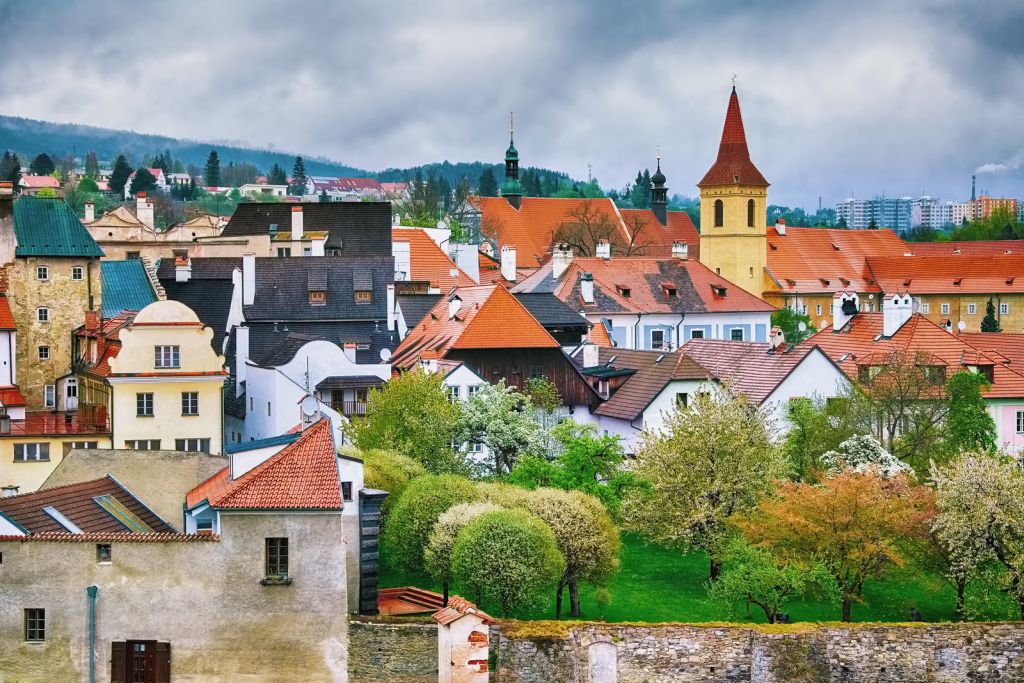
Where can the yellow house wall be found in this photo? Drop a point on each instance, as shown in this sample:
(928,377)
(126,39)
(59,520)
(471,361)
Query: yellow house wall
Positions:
(67,301)
(735,250)
(167,423)
(869,302)
(1011,322)
(30,475)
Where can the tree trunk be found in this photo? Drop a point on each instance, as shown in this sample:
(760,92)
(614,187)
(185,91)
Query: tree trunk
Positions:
(846,609)
(574,600)
(1020,601)
(716,570)
(558,601)
(446,593)
(961,584)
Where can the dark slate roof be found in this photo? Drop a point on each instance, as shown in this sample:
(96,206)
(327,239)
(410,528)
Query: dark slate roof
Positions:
(217,268)
(550,311)
(282,288)
(415,306)
(75,502)
(210,299)
(350,382)
(357,228)
(48,227)
(233,405)
(285,349)
(265,338)
(126,287)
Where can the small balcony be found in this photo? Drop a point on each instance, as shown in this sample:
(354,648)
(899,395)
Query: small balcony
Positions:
(350,408)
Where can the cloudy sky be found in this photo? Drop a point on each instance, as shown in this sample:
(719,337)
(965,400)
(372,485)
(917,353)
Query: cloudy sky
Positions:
(901,97)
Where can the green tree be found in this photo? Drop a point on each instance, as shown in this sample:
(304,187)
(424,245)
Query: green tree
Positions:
(411,414)
(144,181)
(299,179)
(969,427)
(509,559)
(10,169)
(488,185)
(437,556)
(211,175)
(707,464)
(47,193)
(413,515)
(92,165)
(42,165)
(386,471)
(990,323)
(789,321)
(119,175)
(88,185)
(814,428)
(277,176)
(753,576)
(501,418)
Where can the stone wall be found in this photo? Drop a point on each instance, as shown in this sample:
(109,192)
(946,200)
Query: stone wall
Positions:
(833,653)
(384,649)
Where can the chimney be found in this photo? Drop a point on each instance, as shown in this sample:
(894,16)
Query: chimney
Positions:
(603,250)
(776,338)
(248,279)
(392,322)
(454,304)
(241,355)
(10,490)
(680,250)
(780,226)
(896,310)
(428,361)
(92,321)
(403,261)
(508,263)
(349,349)
(144,209)
(561,257)
(467,258)
(590,354)
(297,222)
(844,306)
(90,212)
(587,287)
(974,185)
(182,269)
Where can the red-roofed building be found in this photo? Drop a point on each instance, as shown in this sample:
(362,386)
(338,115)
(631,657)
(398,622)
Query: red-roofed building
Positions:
(345,189)
(421,266)
(158,173)
(33,184)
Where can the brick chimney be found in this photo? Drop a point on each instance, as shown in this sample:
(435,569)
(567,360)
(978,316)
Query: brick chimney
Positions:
(92,321)
(90,212)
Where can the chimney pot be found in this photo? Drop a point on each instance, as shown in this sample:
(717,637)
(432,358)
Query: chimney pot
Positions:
(603,250)
(10,490)
(680,250)
(590,354)
(508,263)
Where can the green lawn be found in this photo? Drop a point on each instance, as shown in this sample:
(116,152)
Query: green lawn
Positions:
(656,584)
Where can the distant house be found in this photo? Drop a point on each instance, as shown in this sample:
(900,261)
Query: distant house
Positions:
(31,185)
(344,189)
(158,173)
(124,234)
(263,190)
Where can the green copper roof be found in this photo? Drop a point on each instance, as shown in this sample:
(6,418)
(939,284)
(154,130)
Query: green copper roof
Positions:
(511,153)
(511,186)
(48,227)
(126,287)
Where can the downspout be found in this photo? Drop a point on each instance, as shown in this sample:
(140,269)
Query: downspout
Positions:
(91,592)
(636,333)
(679,331)
(88,281)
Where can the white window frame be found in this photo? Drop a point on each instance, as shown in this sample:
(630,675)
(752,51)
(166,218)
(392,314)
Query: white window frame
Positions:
(454,394)
(165,357)
(43,273)
(146,409)
(1020,421)
(944,309)
(972,309)
(817,309)
(77,273)
(195,445)
(660,344)
(43,314)
(43,352)
(1004,309)
(49,395)
(142,444)
(697,334)
(472,389)
(926,308)
(733,330)
(190,403)
(34,451)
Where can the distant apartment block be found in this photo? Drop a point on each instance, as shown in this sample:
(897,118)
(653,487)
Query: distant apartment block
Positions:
(983,206)
(880,212)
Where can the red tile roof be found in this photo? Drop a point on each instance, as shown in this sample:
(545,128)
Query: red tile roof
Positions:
(808,260)
(46,423)
(1006,345)
(965,274)
(114,537)
(657,239)
(733,165)
(302,476)
(6,319)
(428,261)
(990,247)
(34,181)
(458,608)
(488,318)
(11,397)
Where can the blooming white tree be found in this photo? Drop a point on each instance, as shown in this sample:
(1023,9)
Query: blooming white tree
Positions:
(501,418)
(864,454)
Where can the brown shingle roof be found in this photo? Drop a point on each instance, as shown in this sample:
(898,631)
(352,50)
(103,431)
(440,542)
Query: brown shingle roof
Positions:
(653,371)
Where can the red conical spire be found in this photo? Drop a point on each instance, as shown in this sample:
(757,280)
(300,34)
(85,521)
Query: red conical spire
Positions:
(733,165)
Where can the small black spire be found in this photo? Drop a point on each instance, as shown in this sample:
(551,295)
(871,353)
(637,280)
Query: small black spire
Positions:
(659,194)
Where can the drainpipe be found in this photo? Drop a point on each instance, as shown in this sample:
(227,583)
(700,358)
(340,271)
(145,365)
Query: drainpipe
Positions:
(637,343)
(679,331)
(91,592)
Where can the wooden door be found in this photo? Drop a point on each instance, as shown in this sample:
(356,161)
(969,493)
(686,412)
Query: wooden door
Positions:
(140,661)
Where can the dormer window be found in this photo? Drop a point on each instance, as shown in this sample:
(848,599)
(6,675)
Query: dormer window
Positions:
(364,297)
(318,297)
(719,291)
(623,291)
(670,290)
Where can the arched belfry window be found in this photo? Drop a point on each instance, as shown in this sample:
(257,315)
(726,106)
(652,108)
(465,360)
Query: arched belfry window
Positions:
(750,213)
(719,213)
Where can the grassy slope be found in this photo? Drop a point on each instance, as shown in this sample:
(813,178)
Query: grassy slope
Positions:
(657,584)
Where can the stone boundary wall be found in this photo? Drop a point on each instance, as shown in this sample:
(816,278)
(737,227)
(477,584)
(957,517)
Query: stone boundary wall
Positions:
(553,652)
(388,649)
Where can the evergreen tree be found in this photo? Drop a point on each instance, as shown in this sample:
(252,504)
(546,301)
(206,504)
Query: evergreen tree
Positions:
(990,323)
(163,163)
(640,195)
(212,173)
(277,176)
(191,189)
(42,165)
(119,175)
(323,196)
(144,181)
(92,165)
(299,178)
(6,165)
(488,184)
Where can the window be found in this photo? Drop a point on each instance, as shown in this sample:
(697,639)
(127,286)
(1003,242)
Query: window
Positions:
(204,526)
(624,291)
(658,339)
(333,251)
(682,399)
(31,452)
(49,395)
(72,445)
(277,557)
(453,394)
(736,334)
(268,408)
(166,356)
(696,334)
(1004,309)
(602,387)
(936,374)
(750,213)
(250,404)
(43,315)
(77,273)
(132,255)
(144,405)
(192,445)
(103,553)
(364,297)
(926,308)
(318,297)
(944,309)
(346,491)
(818,310)
(1020,421)
(719,213)
(972,309)
(35,625)
(473,389)
(284,252)
(143,444)
(42,273)
(536,372)
(44,352)
(190,403)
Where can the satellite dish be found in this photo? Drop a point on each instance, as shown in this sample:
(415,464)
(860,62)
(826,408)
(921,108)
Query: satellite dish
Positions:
(802,326)
(385,355)
(961,326)
(309,406)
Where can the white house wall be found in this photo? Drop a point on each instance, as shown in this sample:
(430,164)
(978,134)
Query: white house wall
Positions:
(629,332)
(815,377)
